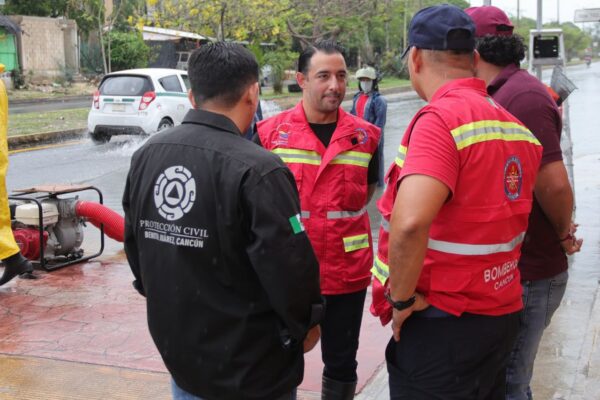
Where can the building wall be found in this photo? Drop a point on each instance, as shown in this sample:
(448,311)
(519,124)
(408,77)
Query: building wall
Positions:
(47,46)
(71,46)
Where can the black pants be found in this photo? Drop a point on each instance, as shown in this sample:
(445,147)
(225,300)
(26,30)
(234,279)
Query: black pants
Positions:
(461,358)
(339,335)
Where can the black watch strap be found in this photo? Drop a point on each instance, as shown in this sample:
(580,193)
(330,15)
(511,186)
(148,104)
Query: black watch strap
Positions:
(400,305)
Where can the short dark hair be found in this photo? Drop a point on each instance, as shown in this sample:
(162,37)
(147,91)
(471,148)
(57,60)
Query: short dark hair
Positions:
(501,50)
(327,46)
(221,72)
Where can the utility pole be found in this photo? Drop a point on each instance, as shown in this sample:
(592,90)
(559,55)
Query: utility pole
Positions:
(487,2)
(405,17)
(558,12)
(538,69)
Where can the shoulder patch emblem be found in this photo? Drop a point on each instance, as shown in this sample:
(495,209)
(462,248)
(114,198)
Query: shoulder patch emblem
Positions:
(361,135)
(513,178)
(283,134)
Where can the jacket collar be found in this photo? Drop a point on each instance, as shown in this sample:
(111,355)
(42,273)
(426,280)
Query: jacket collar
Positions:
(502,77)
(343,121)
(464,83)
(218,121)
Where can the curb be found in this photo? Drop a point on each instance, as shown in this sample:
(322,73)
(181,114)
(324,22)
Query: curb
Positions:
(21,141)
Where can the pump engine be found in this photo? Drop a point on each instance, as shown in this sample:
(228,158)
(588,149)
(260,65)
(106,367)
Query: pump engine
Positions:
(49,229)
(62,228)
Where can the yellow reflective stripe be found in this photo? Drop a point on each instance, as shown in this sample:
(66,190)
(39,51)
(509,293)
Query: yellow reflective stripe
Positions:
(298,156)
(401,156)
(380,270)
(483,131)
(353,158)
(352,243)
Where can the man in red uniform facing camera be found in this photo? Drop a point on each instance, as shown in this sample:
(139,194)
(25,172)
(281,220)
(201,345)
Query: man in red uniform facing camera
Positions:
(455,213)
(333,156)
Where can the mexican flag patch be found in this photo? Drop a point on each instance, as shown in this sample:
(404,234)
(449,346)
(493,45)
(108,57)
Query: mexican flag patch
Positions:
(296,224)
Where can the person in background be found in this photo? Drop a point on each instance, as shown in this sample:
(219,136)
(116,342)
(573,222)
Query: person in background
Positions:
(215,243)
(258,116)
(550,236)
(333,156)
(10,254)
(371,106)
(455,212)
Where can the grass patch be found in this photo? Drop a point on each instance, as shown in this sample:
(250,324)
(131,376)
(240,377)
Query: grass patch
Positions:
(268,94)
(389,82)
(51,92)
(51,121)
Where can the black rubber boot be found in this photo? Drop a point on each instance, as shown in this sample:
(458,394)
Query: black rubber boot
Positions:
(15,265)
(336,390)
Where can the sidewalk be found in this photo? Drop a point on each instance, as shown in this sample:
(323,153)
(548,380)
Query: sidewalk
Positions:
(80,333)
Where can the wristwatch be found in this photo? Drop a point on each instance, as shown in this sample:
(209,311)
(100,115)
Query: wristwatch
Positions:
(400,305)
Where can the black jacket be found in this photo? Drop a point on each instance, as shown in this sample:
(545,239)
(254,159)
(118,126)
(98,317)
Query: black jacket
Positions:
(213,239)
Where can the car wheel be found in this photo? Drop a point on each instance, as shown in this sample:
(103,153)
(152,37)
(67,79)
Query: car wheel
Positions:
(100,137)
(165,123)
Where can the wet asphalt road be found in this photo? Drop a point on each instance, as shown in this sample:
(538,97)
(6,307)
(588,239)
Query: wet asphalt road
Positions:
(105,166)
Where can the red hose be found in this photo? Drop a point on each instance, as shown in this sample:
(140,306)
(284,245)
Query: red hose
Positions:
(97,214)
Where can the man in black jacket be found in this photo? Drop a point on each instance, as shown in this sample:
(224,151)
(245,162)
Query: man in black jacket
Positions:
(214,240)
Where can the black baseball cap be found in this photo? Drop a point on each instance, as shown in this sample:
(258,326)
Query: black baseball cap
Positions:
(429,29)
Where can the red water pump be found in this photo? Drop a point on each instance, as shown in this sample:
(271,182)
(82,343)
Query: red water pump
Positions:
(50,229)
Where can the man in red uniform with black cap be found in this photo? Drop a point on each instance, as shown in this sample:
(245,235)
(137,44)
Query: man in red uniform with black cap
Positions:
(457,203)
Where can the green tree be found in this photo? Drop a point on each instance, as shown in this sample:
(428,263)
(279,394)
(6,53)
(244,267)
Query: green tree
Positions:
(576,40)
(251,20)
(279,60)
(39,8)
(128,50)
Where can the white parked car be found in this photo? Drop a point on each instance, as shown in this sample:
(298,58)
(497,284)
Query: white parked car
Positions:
(138,102)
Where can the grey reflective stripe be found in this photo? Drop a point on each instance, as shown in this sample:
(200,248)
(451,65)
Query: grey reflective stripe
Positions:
(492,129)
(301,156)
(356,242)
(475,249)
(305,214)
(344,157)
(385,224)
(345,214)
(381,268)
(401,155)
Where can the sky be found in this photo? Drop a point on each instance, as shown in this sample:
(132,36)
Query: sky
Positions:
(528,8)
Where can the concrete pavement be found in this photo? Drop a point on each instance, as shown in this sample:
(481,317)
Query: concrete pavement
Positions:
(80,333)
